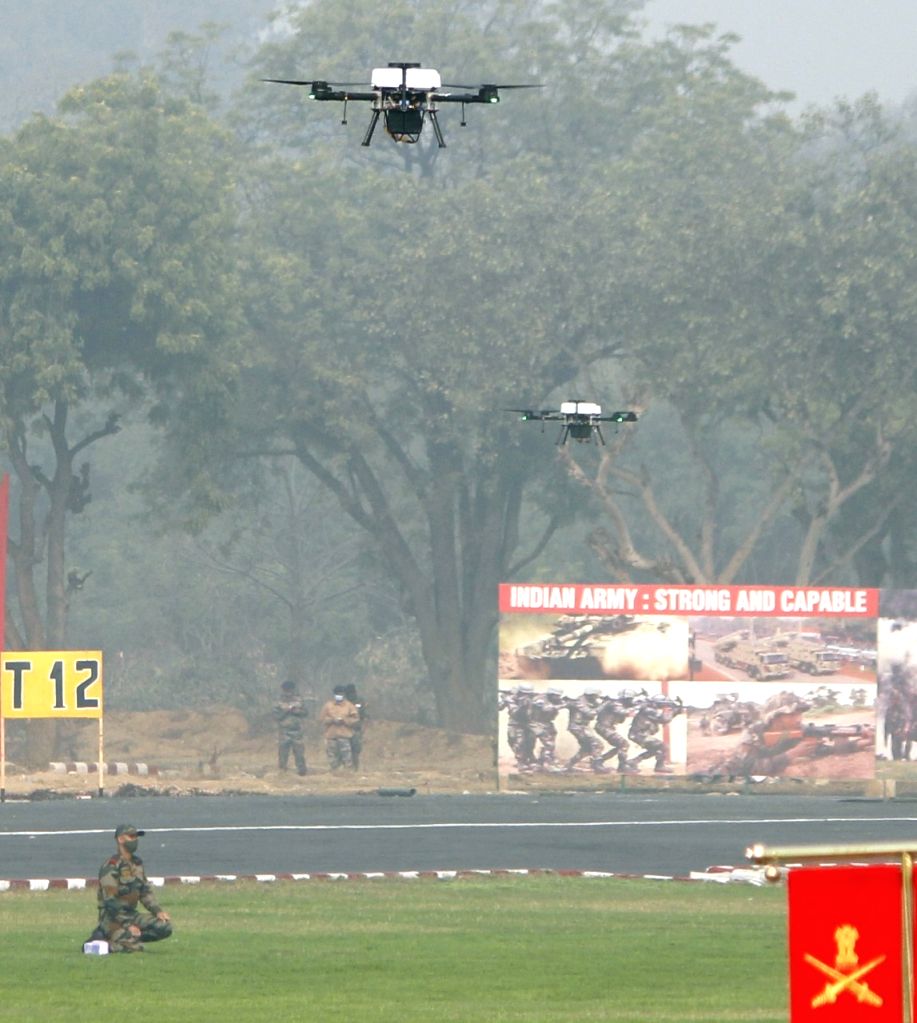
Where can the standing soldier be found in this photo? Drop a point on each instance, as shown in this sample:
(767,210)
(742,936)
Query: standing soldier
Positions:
(518,705)
(123,886)
(651,716)
(356,743)
(582,713)
(544,709)
(611,713)
(289,714)
(339,719)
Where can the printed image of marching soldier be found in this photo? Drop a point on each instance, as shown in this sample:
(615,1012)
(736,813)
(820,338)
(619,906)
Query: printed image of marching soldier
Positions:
(621,647)
(776,649)
(896,714)
(588,731)
(799,728)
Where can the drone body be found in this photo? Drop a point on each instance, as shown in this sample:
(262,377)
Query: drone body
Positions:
(578,419)
(405,95)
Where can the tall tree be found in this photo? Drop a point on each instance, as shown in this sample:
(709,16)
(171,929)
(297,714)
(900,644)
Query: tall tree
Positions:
(396,316)
(116,292)
(768,299)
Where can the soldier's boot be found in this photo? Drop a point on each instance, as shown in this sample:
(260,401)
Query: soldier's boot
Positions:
(663,768)
(598,767)
(156,930)
(625,766)
(638,759)
(98,934)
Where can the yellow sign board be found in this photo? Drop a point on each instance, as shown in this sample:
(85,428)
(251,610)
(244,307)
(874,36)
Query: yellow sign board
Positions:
(51,684)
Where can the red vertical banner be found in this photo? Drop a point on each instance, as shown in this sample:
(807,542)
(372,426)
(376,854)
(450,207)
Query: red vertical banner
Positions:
(845,944)
(4,519)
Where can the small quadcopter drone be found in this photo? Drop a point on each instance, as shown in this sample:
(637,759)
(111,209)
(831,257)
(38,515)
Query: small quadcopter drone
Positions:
(406,94)
(579,419)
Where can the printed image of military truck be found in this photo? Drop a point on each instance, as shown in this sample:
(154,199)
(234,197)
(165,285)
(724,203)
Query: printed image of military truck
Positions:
(812,658)
(759,659)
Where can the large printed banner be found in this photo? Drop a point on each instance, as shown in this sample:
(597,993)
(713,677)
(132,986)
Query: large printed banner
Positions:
(706,681)
(845,944)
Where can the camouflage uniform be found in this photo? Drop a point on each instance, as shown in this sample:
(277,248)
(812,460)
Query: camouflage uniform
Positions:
(651,716)
(545,708)
(122,887)
(612,712)
(518,705)
(582,713)
(339,719)
(289,714)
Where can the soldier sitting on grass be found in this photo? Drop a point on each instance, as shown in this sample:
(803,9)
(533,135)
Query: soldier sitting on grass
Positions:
(123,886)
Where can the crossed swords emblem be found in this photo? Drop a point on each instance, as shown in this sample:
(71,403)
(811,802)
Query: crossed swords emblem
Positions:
(846,974)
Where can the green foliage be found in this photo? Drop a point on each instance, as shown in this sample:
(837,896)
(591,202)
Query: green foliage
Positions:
(103,268)
(517,949)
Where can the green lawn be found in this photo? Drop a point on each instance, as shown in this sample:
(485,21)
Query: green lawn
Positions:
(465,950)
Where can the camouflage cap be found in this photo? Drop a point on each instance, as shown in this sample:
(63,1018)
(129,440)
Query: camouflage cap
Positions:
(127,829)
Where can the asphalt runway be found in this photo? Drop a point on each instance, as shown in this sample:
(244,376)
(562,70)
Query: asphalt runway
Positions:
(664,834)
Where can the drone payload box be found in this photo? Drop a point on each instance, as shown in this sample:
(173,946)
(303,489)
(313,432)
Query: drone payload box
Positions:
(386,78)
(423,79)
(580,408)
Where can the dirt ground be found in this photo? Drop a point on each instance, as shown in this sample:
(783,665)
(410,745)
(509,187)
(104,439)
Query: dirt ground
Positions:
(219,750)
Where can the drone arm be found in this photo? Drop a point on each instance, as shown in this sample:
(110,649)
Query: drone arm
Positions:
(342,97)
(462,97)
(618,417)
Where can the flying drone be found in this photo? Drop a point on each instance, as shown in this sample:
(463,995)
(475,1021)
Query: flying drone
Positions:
(406,95)
(579,419)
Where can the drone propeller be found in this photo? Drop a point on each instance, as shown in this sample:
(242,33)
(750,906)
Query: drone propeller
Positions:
(488,85)
(619,417)
(316,81)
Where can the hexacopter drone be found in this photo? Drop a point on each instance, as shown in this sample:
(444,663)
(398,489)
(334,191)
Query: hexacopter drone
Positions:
(406,94)
(579,419)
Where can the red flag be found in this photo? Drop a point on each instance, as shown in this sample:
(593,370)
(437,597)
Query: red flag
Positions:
(4,507)
(845,951)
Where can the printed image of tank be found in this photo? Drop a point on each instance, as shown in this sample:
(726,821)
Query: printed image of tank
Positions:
(809,655)
(575,647)
(759,659)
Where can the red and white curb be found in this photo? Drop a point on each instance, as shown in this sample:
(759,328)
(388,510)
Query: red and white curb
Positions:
(717,874)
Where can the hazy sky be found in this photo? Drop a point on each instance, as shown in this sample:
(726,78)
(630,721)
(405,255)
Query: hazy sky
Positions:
(818,49)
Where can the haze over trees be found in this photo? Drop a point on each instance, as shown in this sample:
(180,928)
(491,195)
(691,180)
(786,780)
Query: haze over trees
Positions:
(322,339)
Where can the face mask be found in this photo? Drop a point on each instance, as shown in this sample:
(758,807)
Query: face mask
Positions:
(131,844)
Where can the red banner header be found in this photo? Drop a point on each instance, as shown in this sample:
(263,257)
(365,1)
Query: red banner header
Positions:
(663,599)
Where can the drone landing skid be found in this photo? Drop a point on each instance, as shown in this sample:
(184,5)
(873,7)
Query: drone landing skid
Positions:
(373,121)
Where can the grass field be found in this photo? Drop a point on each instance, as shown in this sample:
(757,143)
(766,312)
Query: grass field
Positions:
(387,951)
